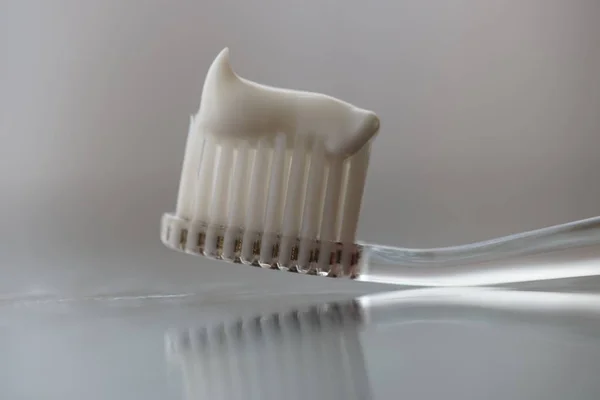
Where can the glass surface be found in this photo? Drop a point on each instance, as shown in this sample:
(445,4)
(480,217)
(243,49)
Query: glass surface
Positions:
(449,343)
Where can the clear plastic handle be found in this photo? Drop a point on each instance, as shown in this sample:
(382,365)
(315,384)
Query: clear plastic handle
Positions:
(564,251)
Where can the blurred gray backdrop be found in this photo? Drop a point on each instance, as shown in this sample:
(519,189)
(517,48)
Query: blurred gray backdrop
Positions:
(490,122)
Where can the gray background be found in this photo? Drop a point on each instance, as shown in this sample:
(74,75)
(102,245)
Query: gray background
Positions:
(489,127)
(489,116)
(489,111)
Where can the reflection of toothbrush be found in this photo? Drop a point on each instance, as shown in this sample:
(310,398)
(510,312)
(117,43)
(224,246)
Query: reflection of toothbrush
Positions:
(311,353)
(275,177)
(317,351)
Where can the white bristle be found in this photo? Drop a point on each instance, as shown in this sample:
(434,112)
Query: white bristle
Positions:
(275,199)
(204,182)
(312,204)
(191,160)
(220,186)
(294,202)
(202,188)
(256,200)
(330,206)
(343,199)
(239,187)
(217,217)
(236,201)
(355,186)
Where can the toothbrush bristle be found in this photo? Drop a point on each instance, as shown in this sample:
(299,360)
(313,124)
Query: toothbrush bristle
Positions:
(275,204)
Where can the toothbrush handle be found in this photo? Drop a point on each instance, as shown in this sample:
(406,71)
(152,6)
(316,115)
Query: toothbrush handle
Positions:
(563,251)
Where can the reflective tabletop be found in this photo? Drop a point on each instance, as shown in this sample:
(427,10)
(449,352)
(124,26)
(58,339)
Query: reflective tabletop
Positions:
(454,343)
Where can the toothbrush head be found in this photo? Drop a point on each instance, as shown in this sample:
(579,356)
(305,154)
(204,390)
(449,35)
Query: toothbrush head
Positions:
(272,177)
(227,244)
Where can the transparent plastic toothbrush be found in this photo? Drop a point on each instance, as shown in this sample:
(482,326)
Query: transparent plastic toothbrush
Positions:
(274,178)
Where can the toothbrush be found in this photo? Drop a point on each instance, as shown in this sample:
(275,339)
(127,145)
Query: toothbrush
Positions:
(275,177)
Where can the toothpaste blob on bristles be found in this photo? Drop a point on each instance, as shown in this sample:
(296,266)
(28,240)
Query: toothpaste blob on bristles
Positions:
(272,176)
